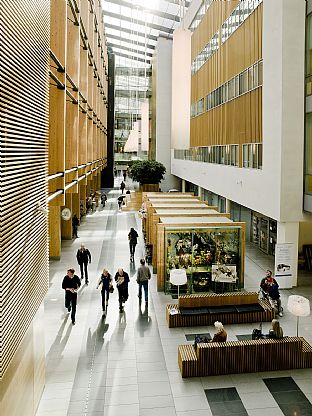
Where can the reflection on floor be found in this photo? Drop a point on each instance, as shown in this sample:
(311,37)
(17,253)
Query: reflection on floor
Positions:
(126,363)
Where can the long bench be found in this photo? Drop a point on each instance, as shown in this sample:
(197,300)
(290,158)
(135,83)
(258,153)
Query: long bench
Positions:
(229,308)
(234,357)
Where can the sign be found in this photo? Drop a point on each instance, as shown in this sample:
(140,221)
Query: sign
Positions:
(284,264)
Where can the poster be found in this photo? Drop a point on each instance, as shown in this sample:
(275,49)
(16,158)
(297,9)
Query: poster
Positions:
(284,264)
(223,273)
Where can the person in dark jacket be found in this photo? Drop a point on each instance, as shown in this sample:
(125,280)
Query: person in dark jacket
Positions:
(83,257)
(75,223)
(133,240)
(105,281)
(143,276)
(71,284)
(122,280)
(122,187)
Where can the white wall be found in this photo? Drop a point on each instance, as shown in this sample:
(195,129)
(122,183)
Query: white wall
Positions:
(276,190)
(163,73)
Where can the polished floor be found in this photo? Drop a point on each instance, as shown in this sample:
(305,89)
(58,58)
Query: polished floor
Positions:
(126,363)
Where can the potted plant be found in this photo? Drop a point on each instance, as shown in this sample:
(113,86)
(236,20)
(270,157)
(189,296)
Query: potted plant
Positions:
(148,173)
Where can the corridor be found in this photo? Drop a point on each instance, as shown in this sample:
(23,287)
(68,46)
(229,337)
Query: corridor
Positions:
(126,363)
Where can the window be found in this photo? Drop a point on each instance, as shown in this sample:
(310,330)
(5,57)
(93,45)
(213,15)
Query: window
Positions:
(200,106)
(231,89)
(252,155)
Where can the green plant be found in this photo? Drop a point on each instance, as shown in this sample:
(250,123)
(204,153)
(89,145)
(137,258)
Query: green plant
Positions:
(147,171)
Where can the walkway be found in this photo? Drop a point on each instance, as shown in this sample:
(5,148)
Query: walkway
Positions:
(126,364)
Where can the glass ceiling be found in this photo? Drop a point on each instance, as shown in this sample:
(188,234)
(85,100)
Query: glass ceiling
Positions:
(132,27)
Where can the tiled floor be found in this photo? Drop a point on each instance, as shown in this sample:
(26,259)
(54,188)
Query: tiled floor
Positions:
(126,364)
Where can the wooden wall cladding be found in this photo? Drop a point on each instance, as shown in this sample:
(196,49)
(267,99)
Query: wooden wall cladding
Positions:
(216,14)
(242,49)
(240,120)
(24,65)
(78,101)
(236,122)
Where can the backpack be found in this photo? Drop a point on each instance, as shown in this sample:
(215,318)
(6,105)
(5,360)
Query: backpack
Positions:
(256,334)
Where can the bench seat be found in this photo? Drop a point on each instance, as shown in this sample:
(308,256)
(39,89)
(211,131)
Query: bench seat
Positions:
(227,314)
(248,356)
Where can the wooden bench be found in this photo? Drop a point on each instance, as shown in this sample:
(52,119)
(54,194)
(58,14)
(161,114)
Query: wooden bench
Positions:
(229,308)
(250,356)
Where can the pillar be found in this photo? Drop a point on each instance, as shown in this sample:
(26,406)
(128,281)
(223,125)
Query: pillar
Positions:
(199,192)
(54,232)
(183,185)
(227,205)
(66,226)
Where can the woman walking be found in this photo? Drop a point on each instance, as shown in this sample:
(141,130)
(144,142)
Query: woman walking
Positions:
(105,281)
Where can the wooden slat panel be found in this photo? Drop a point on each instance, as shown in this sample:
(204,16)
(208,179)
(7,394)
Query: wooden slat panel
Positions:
(236,357)
(23,169)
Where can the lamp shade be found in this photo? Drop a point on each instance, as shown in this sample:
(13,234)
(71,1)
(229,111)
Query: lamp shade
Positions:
(298,305)
(178,277)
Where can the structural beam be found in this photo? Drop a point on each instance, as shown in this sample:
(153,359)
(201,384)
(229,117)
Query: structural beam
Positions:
(138,22)
(125,55)
(159,13)
(127,40)
(125,30)
(125,48)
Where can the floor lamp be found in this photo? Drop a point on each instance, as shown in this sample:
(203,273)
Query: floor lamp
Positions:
(178,277)
(298,306)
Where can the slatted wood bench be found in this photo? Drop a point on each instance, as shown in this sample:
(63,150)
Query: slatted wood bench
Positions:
(250,356)
(229,308)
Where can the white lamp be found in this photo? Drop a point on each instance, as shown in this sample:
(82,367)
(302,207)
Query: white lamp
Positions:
(298,306)
(178,277)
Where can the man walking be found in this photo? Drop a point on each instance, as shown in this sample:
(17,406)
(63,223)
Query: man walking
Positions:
(71,284)
(83,258)
(143,276)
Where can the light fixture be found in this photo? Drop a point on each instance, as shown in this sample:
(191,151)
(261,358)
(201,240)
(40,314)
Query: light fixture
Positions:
(298,306)
(178,277)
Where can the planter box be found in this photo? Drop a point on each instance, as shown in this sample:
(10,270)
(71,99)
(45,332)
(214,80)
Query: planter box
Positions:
(149,187)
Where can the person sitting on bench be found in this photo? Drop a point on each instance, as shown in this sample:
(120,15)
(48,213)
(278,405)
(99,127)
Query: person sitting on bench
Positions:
(276,331)
(220,335)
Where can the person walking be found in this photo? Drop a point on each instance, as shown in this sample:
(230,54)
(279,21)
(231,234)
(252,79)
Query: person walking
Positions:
(115,172)
(71,284)
(103,199)
(75,223)
(143,276)
(122,280)
(133,240)
(124,175)
(105,281)
(122,187)
(83,257)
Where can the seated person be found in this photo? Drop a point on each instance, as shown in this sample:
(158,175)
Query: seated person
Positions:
(276,331)
(220,335)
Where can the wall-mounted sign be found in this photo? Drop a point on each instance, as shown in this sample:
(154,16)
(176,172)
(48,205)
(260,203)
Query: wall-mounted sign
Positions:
(284,264)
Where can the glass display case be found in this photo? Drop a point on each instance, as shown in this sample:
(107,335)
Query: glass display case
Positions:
(212,257)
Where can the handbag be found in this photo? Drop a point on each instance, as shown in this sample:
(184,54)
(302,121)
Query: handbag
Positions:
(111,288)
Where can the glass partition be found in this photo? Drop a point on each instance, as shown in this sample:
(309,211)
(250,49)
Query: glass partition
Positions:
(211,257)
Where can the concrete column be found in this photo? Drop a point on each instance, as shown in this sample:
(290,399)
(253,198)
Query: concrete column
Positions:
(183,185)
(288,232)
(227,205)
(163,84)
(199,192)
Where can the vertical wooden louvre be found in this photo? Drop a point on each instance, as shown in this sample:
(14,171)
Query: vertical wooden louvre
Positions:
(24,58)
